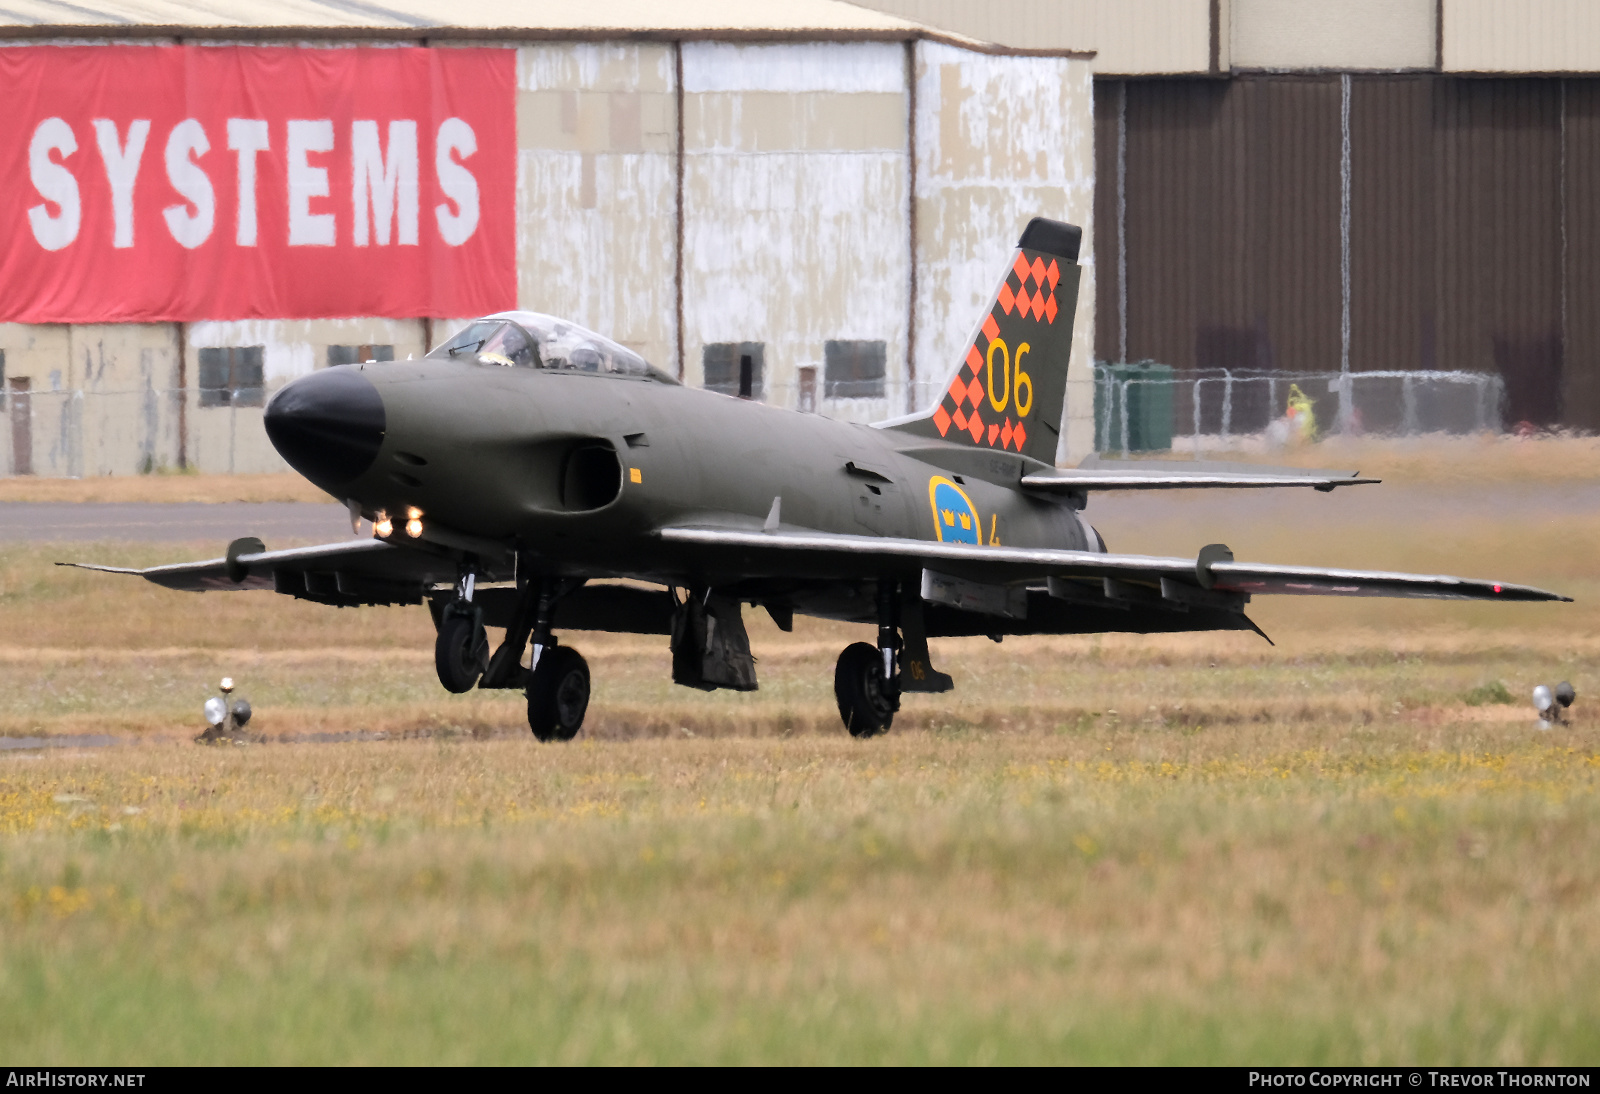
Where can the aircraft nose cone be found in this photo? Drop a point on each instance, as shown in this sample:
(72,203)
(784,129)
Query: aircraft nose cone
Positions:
(328,426)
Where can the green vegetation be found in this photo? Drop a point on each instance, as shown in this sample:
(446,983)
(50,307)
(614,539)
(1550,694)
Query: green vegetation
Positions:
(1262,894)
(1495,691)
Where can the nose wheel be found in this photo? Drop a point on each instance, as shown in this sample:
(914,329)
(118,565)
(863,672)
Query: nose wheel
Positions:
(461,652)
(558,694)
(461,649)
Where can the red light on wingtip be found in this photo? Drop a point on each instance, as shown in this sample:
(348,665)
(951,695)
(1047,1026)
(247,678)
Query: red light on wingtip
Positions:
(1497,589)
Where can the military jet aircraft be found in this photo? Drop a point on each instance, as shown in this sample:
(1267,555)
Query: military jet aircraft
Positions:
(517,471)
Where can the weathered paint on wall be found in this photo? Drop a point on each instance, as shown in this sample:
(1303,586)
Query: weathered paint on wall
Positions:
(999,141)
(126,417)
(596,211)
(795,197)
(37,354)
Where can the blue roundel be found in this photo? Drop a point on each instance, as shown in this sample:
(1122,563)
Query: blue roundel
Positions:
(955,520)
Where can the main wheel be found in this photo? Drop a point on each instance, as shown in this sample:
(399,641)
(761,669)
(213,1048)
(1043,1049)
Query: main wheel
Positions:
(558,695)
(461,653)
(866,702)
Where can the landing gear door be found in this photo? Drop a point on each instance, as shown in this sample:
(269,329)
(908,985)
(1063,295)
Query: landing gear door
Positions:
(710,648)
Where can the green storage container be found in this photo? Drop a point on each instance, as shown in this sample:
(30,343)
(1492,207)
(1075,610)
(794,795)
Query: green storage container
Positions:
(1147,387)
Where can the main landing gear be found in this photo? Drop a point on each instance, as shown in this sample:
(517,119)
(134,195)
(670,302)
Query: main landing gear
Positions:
(557,684)
(558,694)
(868,680)
(867,698)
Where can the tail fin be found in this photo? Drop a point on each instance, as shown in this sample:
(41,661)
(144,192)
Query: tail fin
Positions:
(1009,389)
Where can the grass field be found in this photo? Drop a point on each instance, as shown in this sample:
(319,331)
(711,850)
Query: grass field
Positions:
(1197,849)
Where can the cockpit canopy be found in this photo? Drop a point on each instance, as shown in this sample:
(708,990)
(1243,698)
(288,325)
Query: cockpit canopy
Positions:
(525,339)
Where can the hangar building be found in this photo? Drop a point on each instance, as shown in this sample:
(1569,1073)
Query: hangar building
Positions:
(828,189)
(1267,184)
(1352,185)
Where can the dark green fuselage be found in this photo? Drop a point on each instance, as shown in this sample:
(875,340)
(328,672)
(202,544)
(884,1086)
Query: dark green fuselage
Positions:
(581,470)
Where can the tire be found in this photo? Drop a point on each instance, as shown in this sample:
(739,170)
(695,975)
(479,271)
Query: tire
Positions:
(460,653)
(866,704)
(558,695)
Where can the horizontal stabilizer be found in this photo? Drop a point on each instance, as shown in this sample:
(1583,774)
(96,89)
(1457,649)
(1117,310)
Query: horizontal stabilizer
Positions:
(1098,474)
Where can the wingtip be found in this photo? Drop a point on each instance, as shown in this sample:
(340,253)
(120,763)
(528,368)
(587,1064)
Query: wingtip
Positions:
(100,569)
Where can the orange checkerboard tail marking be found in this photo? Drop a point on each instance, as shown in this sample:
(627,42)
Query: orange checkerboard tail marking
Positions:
(1007,392)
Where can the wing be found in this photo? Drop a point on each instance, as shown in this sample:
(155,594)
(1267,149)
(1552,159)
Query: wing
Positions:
(358,571)
(1098,474)
(779,553)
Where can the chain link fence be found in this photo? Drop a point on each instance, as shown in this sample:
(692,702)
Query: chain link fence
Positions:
(1151,407)
(76,433)
(1143,407)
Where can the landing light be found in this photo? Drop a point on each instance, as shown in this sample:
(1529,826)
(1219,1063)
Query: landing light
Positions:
(413,521)
(382,526)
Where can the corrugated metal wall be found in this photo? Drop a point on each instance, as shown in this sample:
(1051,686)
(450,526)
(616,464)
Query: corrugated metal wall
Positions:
(1472,242)
(1580,393)
(1232,223)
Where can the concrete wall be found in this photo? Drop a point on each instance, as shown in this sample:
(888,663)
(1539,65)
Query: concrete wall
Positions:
(999,140)
(1131,37)
(41,355)
(796,184)
(230,438)
(1521,35)
(100,399)
(1349,34)
(596,190)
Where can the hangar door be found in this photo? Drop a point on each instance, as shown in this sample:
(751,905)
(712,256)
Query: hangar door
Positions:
(1471,238)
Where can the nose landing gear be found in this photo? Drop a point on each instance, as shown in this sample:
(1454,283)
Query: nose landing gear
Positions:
(461,650)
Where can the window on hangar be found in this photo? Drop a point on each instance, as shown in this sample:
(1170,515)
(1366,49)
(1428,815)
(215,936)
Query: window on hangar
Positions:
(358,355)
(232,376)
(854,370)
(725,368)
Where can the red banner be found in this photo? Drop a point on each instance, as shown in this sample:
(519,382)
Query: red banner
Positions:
(143,183)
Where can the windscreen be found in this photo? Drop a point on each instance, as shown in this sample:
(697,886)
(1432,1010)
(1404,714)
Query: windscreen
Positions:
(544,342)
